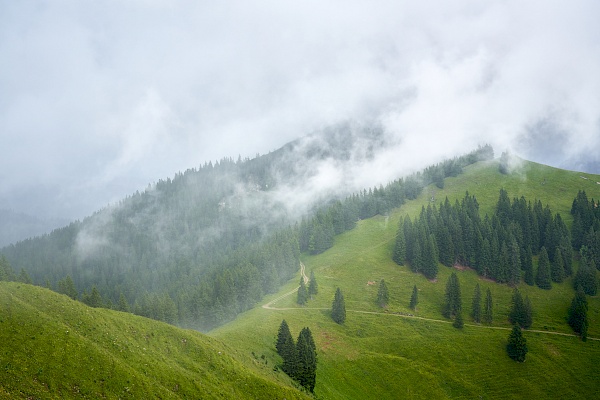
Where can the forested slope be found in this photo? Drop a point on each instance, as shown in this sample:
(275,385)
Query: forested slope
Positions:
(198,249)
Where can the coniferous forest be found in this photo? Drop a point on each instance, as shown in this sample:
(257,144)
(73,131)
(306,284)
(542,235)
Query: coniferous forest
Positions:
(200,248)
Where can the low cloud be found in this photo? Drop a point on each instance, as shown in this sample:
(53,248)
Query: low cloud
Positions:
(97,100)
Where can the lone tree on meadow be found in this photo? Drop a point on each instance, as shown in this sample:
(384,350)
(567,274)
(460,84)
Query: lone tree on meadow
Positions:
(414,298)
(338,308)
(383,296)
(302,292)
(453,304)
(313,287)
(517,345)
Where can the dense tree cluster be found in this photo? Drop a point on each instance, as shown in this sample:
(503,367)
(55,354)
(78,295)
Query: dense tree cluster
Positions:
(299,358)
(500,247)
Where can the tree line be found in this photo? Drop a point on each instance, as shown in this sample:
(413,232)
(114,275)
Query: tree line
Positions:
(499,247)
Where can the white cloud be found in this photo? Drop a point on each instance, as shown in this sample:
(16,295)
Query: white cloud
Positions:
(98,99)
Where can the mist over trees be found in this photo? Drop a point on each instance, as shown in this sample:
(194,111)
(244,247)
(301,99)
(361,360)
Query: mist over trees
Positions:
(201,247)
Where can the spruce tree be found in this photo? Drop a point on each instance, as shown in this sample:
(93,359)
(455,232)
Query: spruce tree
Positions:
(527,265)
(290,357)
(453,303)
(313,287)
(383,296)
(458,321)
(282,335)
(586,273)
(488,313)
(338,308)
(307,360)
(122,305)
(542,277)
(517,345)
(476,307)
(400,247)
(302,293)
(516,316)
(577,315)
(414,298)
(557,271)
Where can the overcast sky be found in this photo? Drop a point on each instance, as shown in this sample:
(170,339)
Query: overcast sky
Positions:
(100,98)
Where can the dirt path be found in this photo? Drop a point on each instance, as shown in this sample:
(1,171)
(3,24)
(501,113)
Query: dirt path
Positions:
(269,306)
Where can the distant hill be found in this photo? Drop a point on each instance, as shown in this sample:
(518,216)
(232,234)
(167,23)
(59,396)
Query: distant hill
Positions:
(396,352)
(54,347)
(198,249)
(19,226)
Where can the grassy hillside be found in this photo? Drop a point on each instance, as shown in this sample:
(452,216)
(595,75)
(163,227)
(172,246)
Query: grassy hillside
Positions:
(53,347)
(389,354)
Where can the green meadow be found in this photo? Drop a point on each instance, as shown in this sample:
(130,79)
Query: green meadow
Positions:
(399,353)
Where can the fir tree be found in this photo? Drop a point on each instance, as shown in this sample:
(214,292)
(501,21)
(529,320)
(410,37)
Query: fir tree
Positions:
(66,286)
(414,298)
(313,287)
(458,321)
(542,277)
(302,293)
(400,247)
(306,371)
(517,345)
(577,315)
(476,307)
(527,265)
(338,308)
(383,296)
(520,313)
(488,313)
(24,277)
(557,271)
(586,274)
(453,303)
(528,313)
(282,335)
(287,349)
(122,305)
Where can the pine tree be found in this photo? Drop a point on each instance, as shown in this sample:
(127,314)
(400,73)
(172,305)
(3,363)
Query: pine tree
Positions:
(338,308)
(282,335)
(400,247)
(66,286)
(476,307)
(557,272)
(586,273)
(517,345)
(520,313)
(542,277)
(458,321)
(527,265)
(307,360)
(414,298)
(286,348)
(302,293)
(488,313)
(453,303)
(24,277)
(122,305)
(577,316)
(313,287)
(383,296)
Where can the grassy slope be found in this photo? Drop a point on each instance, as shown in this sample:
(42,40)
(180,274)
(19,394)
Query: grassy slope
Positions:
(53,347)
(390,356)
